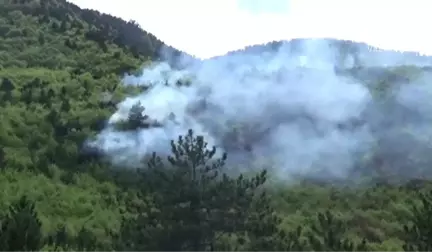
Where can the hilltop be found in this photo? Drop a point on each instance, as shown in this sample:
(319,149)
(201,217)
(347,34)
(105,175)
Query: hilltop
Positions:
(362,52)
(348,57)
(61,69)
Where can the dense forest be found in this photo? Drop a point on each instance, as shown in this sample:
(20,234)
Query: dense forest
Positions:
(60,71)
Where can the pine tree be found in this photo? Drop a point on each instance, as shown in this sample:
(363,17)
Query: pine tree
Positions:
(6,87)
(194,201)
(21,229)
(137,119)
(328,235)
(418,234)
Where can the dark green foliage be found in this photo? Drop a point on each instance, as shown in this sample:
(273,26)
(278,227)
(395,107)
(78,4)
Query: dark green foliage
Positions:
(264,231)
(195,201)
(328,235)
(419,232)
(21,228)
(137,120)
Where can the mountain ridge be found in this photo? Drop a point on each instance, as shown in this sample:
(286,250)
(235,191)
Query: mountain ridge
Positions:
(346,47)
(108,27)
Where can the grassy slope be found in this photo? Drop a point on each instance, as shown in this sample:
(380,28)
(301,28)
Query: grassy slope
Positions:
(50,47)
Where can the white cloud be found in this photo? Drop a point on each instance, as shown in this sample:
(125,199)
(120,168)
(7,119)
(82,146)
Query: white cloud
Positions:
(212,27)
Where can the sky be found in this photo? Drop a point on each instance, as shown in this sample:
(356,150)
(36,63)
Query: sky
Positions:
(207,28)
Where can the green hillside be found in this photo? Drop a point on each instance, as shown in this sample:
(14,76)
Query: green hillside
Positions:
(60,70)
(57,63)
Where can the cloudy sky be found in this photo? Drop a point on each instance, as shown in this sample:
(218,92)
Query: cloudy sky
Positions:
(206,28)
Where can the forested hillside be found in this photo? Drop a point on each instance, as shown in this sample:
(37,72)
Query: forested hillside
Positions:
(60,71)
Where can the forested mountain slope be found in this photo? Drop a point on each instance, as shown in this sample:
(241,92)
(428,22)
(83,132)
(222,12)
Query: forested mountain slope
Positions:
(60,71)
(60,68)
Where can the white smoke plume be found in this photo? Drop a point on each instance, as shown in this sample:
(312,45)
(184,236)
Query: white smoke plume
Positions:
(297,108)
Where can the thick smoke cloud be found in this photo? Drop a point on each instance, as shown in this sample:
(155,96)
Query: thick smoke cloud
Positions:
(301,109)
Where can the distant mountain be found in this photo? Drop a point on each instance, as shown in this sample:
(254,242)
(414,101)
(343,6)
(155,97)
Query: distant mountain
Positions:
(345,53)
(368,64)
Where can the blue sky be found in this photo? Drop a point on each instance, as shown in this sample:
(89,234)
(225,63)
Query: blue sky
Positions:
(207,28)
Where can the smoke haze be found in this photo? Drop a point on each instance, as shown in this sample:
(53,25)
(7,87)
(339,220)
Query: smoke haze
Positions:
(311,108)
